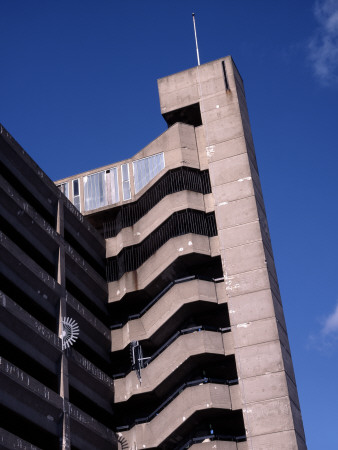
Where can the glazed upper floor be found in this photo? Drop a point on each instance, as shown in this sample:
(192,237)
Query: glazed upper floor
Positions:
(127,180)
(189,101)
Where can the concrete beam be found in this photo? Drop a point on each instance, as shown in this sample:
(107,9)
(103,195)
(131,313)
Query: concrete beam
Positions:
(183,348)
(157,316)
(156,264)
(152,434)
(28,397)
(86,371)
(89,432)
(12,442)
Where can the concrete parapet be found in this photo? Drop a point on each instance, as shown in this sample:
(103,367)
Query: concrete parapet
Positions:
(183,348)
(179,295)
(12,442)
(162,211)
(174,248)
(88,433)
(26,396)
(215,445)
(192,399)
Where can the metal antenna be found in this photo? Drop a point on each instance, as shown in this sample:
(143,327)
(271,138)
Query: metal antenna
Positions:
(137,360)
(198,55)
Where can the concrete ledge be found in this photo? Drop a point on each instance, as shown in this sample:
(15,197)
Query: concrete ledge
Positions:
(24,331)
(183,348)
(104,384)
(12,442)
(178,296)
(218,445)
(29,398)
(192,399)
(83,265)
(155,217)
(24,319)
(46,232)
(25,262)
(174,248)
(88,431)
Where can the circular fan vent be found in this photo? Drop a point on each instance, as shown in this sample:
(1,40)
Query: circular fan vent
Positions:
(70,332)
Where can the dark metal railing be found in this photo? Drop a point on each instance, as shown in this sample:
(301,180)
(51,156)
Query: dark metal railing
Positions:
(211,437)
(171,340)
(180,179)
(173,396)
(178,224)
(161,294)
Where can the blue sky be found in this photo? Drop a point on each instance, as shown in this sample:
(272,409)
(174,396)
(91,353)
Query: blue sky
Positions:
(78,91)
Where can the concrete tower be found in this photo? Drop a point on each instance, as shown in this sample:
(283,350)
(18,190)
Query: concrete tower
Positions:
(267,386)
(191,278)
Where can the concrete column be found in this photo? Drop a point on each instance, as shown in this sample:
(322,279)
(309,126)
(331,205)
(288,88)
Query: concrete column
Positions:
(63,365)
(268,389)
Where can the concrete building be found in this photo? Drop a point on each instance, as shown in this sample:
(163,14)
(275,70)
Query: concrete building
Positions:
(199,354)
(52,266)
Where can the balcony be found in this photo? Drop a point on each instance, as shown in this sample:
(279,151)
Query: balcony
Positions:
(180,410)
(170,358)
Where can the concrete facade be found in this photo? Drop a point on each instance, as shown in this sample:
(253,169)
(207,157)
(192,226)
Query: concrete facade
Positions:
(266,378)
(209,130)
(51,267)
(190,277)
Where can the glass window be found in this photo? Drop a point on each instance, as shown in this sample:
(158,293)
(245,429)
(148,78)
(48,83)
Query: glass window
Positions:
(114,185)
(101,189)
(76,194)
(146,169)
(94,191)
(125,182)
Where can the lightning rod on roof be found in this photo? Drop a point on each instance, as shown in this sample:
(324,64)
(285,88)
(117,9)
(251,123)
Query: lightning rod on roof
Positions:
(198,55)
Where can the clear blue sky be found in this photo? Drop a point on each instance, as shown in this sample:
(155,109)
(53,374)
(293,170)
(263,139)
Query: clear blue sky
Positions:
(78,90)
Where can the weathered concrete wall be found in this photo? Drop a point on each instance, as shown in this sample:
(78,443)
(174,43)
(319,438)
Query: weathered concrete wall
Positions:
(37,261)
(268,388)
(192,399)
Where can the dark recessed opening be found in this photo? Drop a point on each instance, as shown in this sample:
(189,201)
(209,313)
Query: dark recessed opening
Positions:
(92,356)
(96,263)
(25,245)
(226,424)
(23,361)
(28,303)
(89,407)
(180,223)
(26,430)
(202,266)
(190,115)
(27,195)
(87,302)
(211,368)
(190,315)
